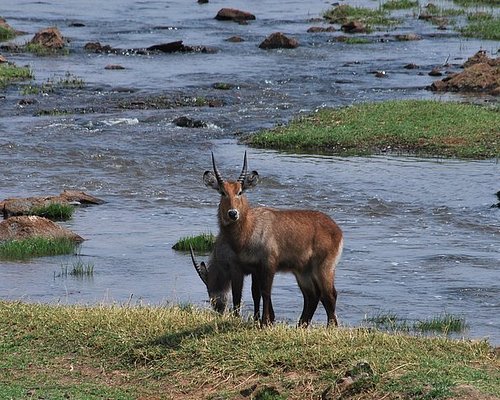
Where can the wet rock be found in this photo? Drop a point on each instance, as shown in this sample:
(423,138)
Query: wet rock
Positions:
(186,122)
(278,41)
(481,74)
(380,74)
(318,29)
(411,66)
(354,27)
(408,37)
(50,38)
(436,71)
(26,102)
(235,39)
(202,1)
(96,47)
(114,66)
(2,59)
(171,47)
(76,24)
(232,14)
(23,227)
(23,206)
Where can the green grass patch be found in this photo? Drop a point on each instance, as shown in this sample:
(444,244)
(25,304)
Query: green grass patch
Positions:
(399,4)
(441,324)
(353,40)
(476,3)
(6,34)
(35,247)
(11,73)
(482,26)
(54,211)
(426,128)
(344,13)
(203,243)
(41,50)
(129,352)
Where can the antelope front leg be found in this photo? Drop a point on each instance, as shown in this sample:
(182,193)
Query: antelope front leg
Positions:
(267,307)
(237,289)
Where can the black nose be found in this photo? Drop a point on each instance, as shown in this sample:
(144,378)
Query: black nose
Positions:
(233,214)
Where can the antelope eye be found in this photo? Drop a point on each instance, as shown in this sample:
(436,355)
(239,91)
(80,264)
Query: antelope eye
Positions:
(240,193)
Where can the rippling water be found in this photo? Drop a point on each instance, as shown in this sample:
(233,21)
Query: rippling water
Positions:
(420,236)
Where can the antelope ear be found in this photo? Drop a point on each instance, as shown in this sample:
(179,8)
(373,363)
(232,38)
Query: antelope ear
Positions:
(210,180)
(251,180)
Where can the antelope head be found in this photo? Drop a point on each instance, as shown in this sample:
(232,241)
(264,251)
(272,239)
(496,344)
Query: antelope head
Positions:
(216,280)
(233,205)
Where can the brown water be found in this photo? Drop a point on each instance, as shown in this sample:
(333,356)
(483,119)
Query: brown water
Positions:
(420,236)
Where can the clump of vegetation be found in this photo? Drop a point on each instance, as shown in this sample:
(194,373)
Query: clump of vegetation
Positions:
(79,269)
(41,50)
(399,4)
(24,249)
(344,14)
(134,352)
(445,323)
(54,211)
(69,81)
(222,86)
(6,33)
(417,127)
(482,26)
(203,243)
(11,73)
(353,40)
(474,3)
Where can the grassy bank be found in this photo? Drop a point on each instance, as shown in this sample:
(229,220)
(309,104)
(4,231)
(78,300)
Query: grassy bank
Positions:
(427,128)
(37,246)
(75,352)
(10,73)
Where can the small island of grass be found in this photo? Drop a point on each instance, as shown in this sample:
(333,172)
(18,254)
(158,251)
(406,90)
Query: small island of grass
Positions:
(424,128)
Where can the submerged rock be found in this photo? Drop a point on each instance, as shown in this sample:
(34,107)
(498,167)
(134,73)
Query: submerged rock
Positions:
(24,227)
(278,41)
(186,122)
(232,14)
(354,27)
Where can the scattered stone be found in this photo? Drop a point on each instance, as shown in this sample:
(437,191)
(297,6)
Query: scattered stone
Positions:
(202,1)
(411,66)
(354,27)
(2,59)
(114,66)
(76,25)
(235,39)
(24,227)
(171,47)
(408,37)
(481,75)
(278,41)
(436,71)
(23,206)
(50,38)
(232,14)
(317,29)
(26,102)
(186,122)
(381,74)
(96,47)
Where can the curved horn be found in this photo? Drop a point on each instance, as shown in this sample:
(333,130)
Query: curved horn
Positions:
(220,181)
(200,268)
(243,173)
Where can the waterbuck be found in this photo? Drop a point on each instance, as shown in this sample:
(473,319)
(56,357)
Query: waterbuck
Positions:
(262,241)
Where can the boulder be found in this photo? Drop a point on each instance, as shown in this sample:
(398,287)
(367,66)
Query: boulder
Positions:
(481,74)
(23,206)
(354,27)
(278,41)
(50,38)
(24,227)
(232,14)
(186,122)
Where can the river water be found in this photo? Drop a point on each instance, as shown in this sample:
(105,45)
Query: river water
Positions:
(420,236)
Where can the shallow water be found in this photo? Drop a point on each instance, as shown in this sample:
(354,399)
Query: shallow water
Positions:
(420,236)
